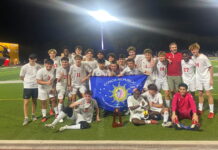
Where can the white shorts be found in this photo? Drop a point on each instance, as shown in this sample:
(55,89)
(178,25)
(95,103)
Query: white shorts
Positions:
(147,82)
(82,89)
(162,85)
(156,109)
(191,85)
(60,92)
(139,116)
(203,85)
(45,94)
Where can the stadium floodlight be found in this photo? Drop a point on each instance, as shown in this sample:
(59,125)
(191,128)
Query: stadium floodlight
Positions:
(102,16)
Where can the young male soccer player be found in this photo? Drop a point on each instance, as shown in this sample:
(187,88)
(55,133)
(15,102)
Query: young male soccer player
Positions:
(122,62)
(77,51)
(78,75)
(132,55)
(188,72)
(45,77)
(130,69)
(89,60)
(101,70)
(82,115)
(183,107)
(114,69)
(147,67)
(138,106)
(161,76)
(156,104)
(61,85)
(204,78)
(52,54)
(111,58)
(28,75)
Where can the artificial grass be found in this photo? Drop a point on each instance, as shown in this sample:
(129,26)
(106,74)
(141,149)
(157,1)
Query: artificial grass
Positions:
(9,73)
(11,119)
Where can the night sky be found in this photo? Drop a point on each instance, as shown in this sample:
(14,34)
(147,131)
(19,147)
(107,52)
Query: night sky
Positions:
(38,25)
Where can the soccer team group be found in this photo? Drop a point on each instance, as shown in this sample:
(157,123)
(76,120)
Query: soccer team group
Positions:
(177,74)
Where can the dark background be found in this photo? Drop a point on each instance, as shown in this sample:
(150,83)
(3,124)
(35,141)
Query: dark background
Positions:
(38,25)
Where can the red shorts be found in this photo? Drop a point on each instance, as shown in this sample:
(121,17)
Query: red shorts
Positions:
(187,114)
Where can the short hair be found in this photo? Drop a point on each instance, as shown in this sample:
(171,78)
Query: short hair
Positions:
(89,50)
(100,52)
(101,61)
(78,47)
(88,92)
(49,61)
(65,59)
(186,52)
(152,87)
(194,46)
(148,50)
(172,43)
(111,55)
(52,51)
(32,56)
(183,85)
(131,48)
(161,53)
(122,56)
(130,60)
(78,57)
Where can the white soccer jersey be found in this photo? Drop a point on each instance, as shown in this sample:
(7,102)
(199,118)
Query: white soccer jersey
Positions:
(62,72)
(138,59)
(137,113)
(156,99)
(85,110)
(29,74)
(188,70)
(100,72)
(93,64)
(202,64)
(45,75)
(161,70)
(78,73)
(148,66)
(57,62)
(128,71)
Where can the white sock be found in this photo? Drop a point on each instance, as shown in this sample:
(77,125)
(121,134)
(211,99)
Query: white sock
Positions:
(43,112)
(25,117)
(147,121)
(200,106)
(211,107)
(167,103)
(60,116)
(56,110)
(165,116)
(60,106)
(77,126)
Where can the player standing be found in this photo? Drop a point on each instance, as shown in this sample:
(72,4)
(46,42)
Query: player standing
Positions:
(28,75)
(204,78)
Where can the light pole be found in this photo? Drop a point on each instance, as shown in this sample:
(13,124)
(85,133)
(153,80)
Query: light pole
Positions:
(102,16)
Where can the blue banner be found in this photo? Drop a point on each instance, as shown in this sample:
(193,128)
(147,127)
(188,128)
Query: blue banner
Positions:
(112,92)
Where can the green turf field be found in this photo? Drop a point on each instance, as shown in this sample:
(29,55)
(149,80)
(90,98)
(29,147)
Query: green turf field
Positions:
(9,73)
(11,119)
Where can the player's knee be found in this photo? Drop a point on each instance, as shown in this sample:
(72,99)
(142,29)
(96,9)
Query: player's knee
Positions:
(208,93)
(135,121)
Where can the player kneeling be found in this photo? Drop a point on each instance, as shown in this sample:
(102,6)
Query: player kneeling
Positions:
(157,110)
(80,111)
(138,109)
(184,107)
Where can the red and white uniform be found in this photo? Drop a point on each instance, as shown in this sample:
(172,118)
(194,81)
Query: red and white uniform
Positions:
(202,64)
(161,76)
(188,74)
(62,84)
(184,106)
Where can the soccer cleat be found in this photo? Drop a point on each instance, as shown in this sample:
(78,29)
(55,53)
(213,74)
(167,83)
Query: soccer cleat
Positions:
(167,124)
(61,120)
(200,112)
(154,122)
(51,112)
(210,115)
(26,121)
(50,125)
(63,128)
(44,119)
(34,118)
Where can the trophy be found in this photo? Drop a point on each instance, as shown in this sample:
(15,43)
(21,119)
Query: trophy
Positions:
(116,114)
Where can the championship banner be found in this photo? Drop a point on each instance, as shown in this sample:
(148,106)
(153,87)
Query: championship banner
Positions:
(112,92)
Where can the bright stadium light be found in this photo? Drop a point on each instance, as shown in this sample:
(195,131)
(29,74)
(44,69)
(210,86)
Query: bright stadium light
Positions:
(102,16)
